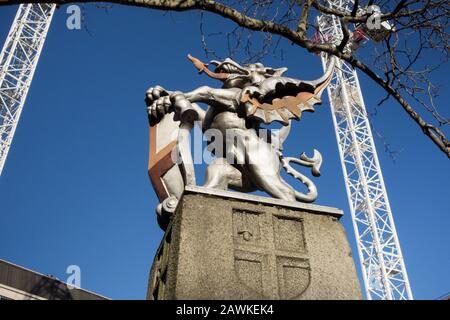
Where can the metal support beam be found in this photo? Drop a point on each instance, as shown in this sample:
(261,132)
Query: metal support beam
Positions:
(382,266)
(18,61)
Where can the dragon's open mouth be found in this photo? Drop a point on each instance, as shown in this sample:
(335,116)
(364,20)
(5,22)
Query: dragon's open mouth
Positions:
(229,67)
(225,70)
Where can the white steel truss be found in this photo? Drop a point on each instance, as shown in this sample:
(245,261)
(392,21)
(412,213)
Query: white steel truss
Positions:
(18,61)
(382,266)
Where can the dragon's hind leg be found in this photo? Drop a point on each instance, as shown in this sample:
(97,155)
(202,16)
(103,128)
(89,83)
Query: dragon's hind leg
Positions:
(276,187)
(221,175)
(264,169)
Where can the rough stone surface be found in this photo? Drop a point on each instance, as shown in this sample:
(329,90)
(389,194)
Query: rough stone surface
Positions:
(223,247)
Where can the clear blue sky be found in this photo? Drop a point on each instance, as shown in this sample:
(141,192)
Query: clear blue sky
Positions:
(75,188)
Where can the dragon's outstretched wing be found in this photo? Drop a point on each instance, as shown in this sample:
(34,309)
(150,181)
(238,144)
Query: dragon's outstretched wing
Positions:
(281,99)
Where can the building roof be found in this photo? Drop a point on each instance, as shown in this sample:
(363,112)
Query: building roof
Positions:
(40,285)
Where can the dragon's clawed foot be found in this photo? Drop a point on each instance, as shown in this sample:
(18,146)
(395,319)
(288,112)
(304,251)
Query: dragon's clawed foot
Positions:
(158,102)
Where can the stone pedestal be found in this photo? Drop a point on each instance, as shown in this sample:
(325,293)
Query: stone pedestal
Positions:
(228,245)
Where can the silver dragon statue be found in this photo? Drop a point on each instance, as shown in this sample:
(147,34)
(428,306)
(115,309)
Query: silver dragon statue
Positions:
(251,97)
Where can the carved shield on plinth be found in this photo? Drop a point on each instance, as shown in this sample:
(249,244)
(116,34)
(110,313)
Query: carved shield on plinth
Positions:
(270,254)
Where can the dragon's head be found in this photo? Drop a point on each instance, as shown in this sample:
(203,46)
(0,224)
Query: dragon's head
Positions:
(234,75)
(266,94)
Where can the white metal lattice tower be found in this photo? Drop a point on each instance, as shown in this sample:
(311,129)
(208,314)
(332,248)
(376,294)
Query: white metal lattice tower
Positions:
(18,61)
(382,266)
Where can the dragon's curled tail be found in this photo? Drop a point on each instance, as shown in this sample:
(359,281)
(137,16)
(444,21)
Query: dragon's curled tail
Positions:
(315,163)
